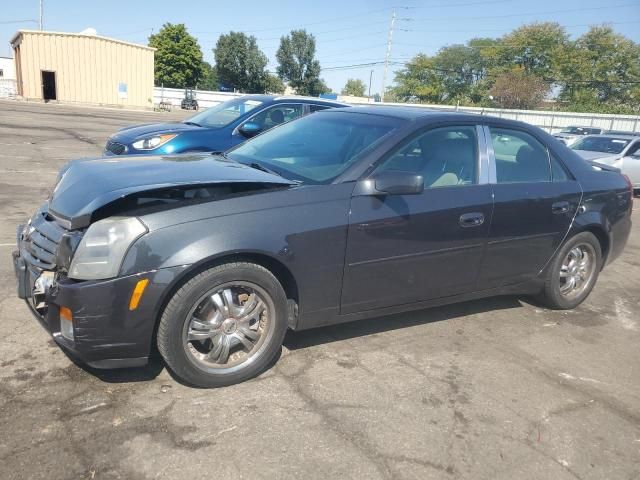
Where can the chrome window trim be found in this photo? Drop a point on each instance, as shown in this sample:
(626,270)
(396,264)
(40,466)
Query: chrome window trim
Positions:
(492,176)
(483,156)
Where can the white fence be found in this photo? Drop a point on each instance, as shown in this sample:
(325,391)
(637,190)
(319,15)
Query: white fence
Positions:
(205,98)
(7,88)
(547,120)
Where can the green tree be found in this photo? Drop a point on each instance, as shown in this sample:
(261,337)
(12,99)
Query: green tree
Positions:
(355,87)
(536,47)
(209,77)
(274,84)
(240,63)
(418,82)
(601,72)
(178,58)
(297,64)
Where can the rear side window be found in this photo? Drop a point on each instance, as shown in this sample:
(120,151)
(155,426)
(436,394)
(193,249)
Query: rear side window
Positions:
(519,157)
(557,170)
(317,108)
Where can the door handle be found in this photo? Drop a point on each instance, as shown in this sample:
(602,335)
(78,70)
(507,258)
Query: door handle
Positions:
(560,207)
(474,219)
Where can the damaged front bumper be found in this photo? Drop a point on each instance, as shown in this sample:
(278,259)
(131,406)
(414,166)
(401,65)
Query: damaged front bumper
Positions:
(105,332)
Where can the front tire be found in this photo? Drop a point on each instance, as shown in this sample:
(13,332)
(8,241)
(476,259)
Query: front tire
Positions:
(225,325)
(572,273)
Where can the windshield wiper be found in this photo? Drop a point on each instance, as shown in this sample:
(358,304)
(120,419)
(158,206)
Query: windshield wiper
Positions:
(261,167)
(192,123)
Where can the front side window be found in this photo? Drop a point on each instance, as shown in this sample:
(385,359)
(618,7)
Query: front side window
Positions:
(224,113)
(519,157)
(317,148)
(445,157)
(274,116)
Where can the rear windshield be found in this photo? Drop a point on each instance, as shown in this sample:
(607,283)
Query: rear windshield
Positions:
(224,113)
(317,148)
(601,144)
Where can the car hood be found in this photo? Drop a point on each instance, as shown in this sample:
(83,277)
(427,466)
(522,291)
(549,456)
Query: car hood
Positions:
(86,185)
(129,134)
(601,156)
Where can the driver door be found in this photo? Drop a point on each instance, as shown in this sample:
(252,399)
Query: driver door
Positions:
(410,248)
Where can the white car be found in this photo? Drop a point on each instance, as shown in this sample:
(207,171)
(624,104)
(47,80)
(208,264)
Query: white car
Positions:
(620,151)
(568,135)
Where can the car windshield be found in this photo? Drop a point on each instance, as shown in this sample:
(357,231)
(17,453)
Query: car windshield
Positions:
(317,148)
(601,144)
(224,113)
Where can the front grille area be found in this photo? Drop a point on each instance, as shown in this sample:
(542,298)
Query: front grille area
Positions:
(40,241)
(115,147)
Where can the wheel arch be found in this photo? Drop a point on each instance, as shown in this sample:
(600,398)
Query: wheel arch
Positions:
(600,232)
(282,273)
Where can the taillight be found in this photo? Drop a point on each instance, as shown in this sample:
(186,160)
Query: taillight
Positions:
(630,185)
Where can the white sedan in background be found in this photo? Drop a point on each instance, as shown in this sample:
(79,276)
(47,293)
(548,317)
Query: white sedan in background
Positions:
(620,151)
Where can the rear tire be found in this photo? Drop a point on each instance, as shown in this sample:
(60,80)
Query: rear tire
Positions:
(572,273)
(225,325)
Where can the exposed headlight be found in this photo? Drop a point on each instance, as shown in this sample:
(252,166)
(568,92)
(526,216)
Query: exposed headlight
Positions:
(103,247)
(151,143)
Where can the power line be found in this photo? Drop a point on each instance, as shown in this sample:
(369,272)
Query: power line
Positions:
(304,25)
(566,10)
(8,22)
(502,30)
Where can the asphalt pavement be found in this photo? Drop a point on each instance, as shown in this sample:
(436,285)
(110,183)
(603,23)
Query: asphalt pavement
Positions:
(490,389)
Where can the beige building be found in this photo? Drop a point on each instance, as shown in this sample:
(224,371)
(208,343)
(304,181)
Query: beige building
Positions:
(82,68)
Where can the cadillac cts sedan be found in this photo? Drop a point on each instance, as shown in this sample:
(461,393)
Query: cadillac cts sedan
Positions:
(215,129)
(342,215)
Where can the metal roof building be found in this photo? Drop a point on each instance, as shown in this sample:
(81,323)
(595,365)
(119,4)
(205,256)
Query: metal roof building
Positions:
(82,68)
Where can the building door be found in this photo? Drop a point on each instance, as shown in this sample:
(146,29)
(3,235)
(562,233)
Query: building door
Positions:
(49,86)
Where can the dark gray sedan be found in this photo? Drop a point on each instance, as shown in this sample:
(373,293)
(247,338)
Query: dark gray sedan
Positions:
(342,215)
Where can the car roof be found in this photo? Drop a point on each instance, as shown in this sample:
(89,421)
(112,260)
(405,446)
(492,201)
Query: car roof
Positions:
(293,98)
(417,114)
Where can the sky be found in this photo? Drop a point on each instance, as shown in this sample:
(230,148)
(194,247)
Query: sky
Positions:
(348,33)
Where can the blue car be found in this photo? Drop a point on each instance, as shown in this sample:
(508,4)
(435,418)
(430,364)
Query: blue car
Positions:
(216,129)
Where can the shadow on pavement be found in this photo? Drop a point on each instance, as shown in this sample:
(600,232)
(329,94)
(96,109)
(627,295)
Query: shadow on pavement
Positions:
(361,328)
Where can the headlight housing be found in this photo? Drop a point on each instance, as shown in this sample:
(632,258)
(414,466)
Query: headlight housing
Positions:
(103,248)
(151,143)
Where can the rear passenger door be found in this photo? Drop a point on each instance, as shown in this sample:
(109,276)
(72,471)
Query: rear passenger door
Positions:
(535,201)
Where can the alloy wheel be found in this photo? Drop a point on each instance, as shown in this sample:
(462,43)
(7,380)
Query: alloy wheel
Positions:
(227,326)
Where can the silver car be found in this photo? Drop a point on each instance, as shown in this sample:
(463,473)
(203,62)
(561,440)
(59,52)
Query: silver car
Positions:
(620,151)
(568,135)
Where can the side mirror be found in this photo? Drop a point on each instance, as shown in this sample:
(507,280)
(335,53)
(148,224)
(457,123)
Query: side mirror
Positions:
(392,183)
(250,129)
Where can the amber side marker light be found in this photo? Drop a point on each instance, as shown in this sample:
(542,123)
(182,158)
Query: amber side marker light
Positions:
(65,314)
(66,323)
(136,295)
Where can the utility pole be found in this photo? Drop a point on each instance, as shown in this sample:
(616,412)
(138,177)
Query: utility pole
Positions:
(370,77)
(386,60)
(41,14)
